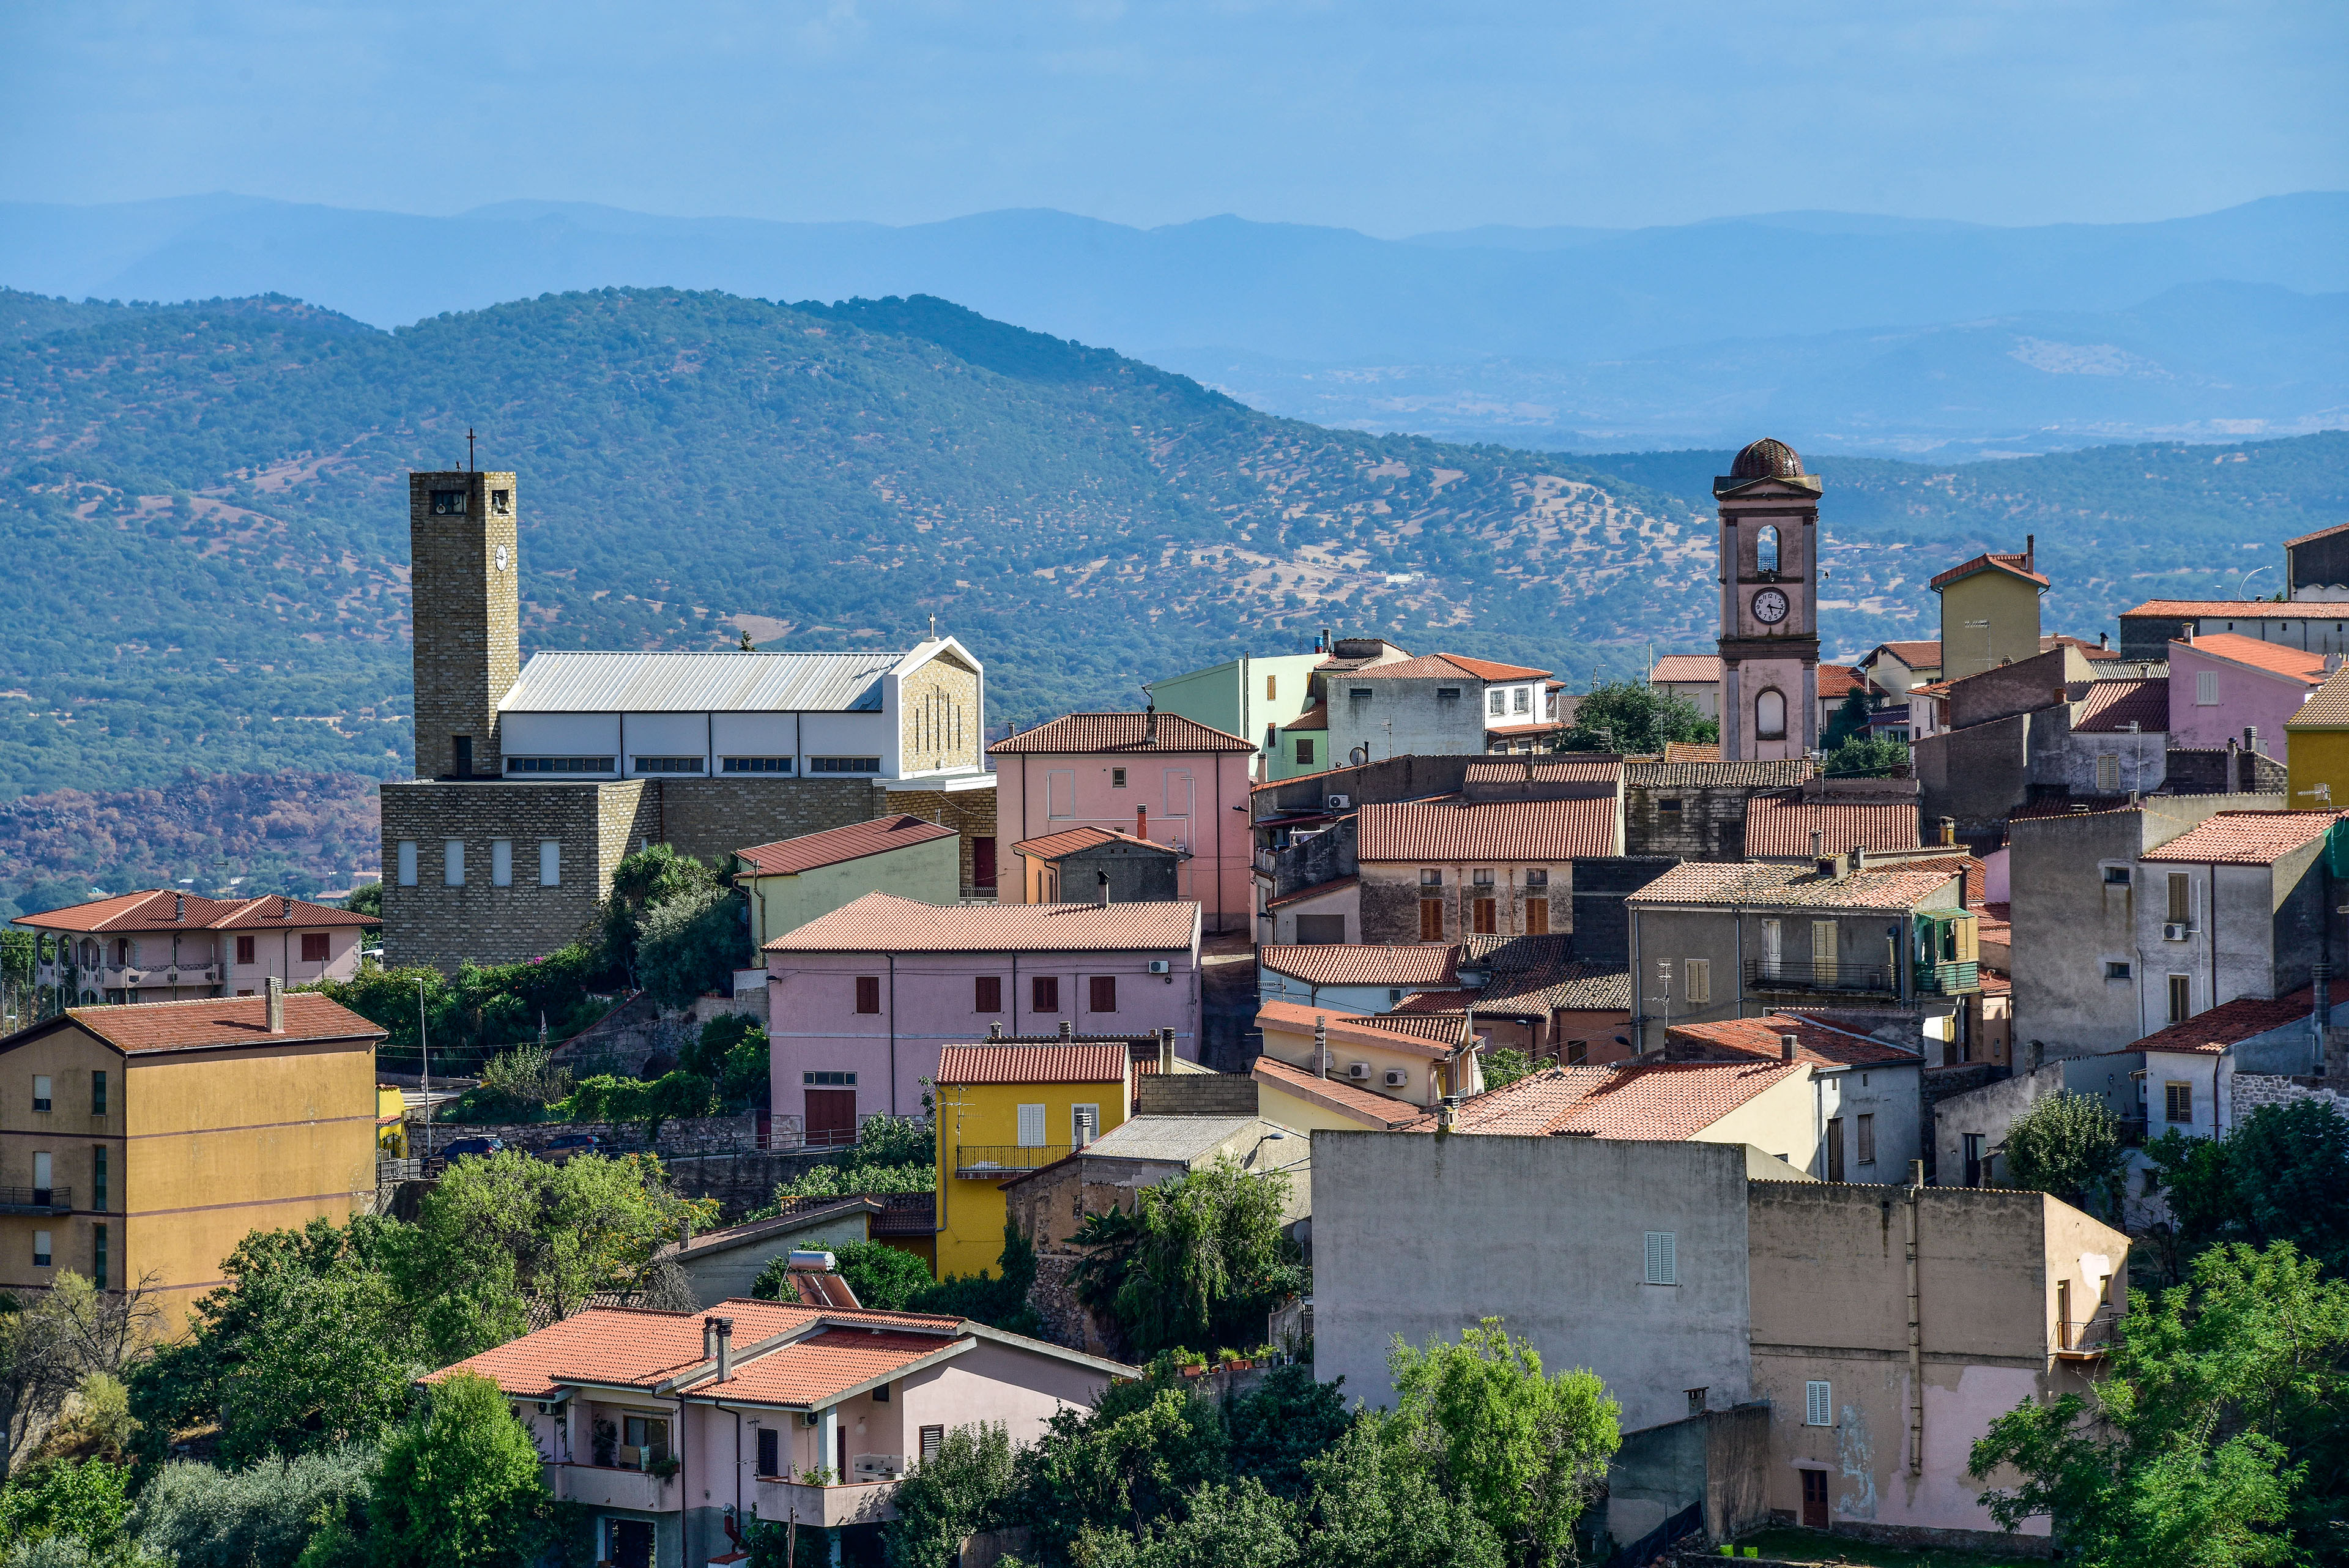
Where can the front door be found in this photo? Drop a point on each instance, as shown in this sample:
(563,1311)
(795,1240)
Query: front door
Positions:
(1835,1149)
(830,1116)
(632,1543)
(1814,1499)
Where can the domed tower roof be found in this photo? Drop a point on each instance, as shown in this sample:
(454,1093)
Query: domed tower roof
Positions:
(1767,459)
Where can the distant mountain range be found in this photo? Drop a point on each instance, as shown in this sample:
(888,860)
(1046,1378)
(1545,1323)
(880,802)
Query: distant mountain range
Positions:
(1843,332)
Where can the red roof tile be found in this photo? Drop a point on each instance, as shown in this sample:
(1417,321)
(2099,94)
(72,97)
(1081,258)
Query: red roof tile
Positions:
(1498,830)
(818,1369)
(2241,609)
(1915,655)
(1592,768)
(1691,750)
(1053,845)
(214,1022)
(2246,837)
(2273,656)
(1317,717)
(1412,967)
(1718,775)
(836,846)
(161,909)
(2210,1031)
(1685,669)
(1652,1102)
(883,922)
(2013,566)
(1742,1038)
(1977,874)
(2320,534)
(1367,1105)
(1033,1063)
(1336,884)
(1084,733)
(1891,887)
(1426,1037)
(1838,680)
(1439,665)
(1778,825)
(2093,651)
(2111,706)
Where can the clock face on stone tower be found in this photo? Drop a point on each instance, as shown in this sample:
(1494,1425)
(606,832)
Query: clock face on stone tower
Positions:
(1769,607)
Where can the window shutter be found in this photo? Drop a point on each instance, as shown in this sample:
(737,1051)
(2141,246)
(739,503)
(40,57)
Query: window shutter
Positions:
(1819,1404)
(2206,689)
(933,1440)
(1031,1127)
(1663,1266)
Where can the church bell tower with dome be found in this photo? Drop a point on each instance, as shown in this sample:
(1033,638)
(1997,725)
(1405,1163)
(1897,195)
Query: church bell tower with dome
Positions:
(1769,605)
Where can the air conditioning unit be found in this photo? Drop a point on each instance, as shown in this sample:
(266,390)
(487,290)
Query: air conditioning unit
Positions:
(1161,966)
(1338,802)
(1360,1071)
(2175,932)
(1397,1078)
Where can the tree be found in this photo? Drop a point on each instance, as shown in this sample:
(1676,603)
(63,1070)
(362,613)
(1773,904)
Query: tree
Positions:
(2217,1437)
(1197,1263)
(604,1098)
(1123,1466)
(953,1493)
(886,1278)
(2281,1175)
(87,1504)
(262,1516)
(49,1345)
(1526,1451)
(690,943)
(1866,757)
(1633,717)
(1849,718)
(1281,1426)
(1506,1065)
(460,1487)
(2069,1146)
(653,875)
(1237,1521)
(366,899)
(1374,1505)
(731,1052)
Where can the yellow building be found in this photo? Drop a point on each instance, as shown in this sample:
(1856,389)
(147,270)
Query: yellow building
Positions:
(145,1141)
(2316,747)
(1007,1108)
(1989,612)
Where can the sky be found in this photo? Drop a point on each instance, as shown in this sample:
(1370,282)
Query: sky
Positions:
(1393,116)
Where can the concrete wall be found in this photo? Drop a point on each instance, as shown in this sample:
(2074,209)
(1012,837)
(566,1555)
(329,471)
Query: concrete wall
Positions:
(1601,923)
(1420,1235)
(1386,779)
(1423,721)
(1252,695)
(929,871)
(2253,930)
(1136,874)
(2024,687)
(2009,604)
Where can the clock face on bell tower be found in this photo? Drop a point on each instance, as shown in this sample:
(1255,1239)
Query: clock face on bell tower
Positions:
(1769,605)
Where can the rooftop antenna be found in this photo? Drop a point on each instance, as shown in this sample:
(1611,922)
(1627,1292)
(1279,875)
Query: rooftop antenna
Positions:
(468,449)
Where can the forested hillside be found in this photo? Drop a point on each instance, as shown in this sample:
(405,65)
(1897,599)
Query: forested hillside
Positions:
(204,512)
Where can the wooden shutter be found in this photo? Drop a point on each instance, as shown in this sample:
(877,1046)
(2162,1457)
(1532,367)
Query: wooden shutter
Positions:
(868,994)
(1663,1263)
(1105,994)
(1031,1127)
(1823,952)
(1430,919)
(987,994)
(1536,917)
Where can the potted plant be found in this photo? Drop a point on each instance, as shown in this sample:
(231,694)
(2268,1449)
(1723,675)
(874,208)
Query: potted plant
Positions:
(664,1466)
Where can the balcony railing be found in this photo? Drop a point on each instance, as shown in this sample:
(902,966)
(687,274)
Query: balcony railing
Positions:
(36,1199)
(1947,979)
(605,1486)
(1837,979)
(983,1161)
(123,977)
(827,1507)
(2094,1335)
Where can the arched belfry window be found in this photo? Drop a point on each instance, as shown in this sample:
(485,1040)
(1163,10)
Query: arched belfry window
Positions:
(1766,549)
(1769,714)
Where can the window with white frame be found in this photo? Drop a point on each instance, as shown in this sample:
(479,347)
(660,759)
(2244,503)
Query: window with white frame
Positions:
(550,863)
(1663,1261)
(1496,701)
(1818,1403)
(2206,689)
(1031,1127)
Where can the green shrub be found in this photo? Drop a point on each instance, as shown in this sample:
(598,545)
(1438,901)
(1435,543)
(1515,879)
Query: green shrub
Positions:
(199,1516)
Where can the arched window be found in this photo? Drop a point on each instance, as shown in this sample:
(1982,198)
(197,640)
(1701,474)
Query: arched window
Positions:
(1766,550)
(1769,714)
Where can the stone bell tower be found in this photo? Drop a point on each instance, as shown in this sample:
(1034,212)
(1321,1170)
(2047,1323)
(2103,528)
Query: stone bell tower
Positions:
(1769,605)
(465,556)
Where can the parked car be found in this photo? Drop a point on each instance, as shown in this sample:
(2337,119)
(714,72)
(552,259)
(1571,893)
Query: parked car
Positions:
(479,1143)
(565,1146)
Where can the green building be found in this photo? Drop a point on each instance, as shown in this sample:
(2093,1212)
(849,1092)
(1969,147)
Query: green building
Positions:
(792,882)
(1278,701)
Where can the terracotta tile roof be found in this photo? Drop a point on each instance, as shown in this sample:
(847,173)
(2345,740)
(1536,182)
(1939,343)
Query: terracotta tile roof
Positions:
(2210,1032)
(1411,967)
(1691,750)
(2320,534)
(1741,1038)
(2111,705)
(1977,875)
(145,1027)
(2329,706)
(1995,984)
(1053,845)
(1783,825)
(1317,717)
(835,845)
(1530,727)
(1495,830)
(1416,1036)
(1593,767)
(2057,806)
(2092,651)
(161,909)
(1652,1102)
(1840,680)
(1336,884)
(1078,733)
(2246,837)
(1685,669)
(1577,988)
(818,1369)
(1100,1063)
(1441,666)
(725,1238)
(1789,886)
(1915,655)
(1366,1105)
(2241,609)
(2004,914)
(2273,656)
(2014,565)
(1717,775)
(883,922)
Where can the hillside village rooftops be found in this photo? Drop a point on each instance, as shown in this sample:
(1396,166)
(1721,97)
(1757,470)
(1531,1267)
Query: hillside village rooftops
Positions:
(1080,734)
(211,1024)
(1783,826)
(1431,1037)
(2271,657)
(1820,1044)
(2242,609)
(1714,885)
(2112,706)
(1648,1102)
(1495,830)
(2210,1032)
(883,922)
(1437,665)
(161,909)
(1068,841)
(567,681)
(1093,1063)
(1597,767)
(2246,837)
(838,845)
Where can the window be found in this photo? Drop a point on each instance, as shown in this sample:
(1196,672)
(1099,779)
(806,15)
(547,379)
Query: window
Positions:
(97,1094)
(1577,1053)
(843,765)
(560,764)
(1496,701)
(987,993)
(246,948)
(1482,876)
(1536,917)
(1105,994)
(2116,969)
(1483,911)
(2108,772)
(502,502)
(1521,700)
(1447,694)
(648,1435)
(501,862)
(1823,953)
(1358,693)
(868,994)
(2117,876)
(452,862)
(2177,1102)
(1304,752)
(1699,980)
(828,1080)
(1819,1404)
(770,1451)
(685,765)
(97,1174)
(40,1249)
(1117,778)
(44,1176)
(1696,1401)
(2182,899)
(1429,877)
(1084,1125)
(1669,807)
(1770,715)
(1031,1127)
(1973,1157)
(41,1093)
(1430,919)
(1867,1140)
(407,863)
(98,1256)
(754,765)
(314,947)
(2206,689)
(1271,688)
(550,863)
(1766,549)
(880,1394)
(1663,1263)
(460,755)
(447,503)
(933,1440)
(1044,993)
(1835,1149)
(2181,998)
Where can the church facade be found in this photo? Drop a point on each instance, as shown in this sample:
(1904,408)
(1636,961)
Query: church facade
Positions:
(1769,512)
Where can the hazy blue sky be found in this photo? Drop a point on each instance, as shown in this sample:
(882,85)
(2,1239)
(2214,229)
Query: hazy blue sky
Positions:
(1393,118)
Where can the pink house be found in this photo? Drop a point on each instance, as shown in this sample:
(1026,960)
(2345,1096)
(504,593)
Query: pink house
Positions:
(862,1001)
(159,945)
(1155,775)
(2224,683)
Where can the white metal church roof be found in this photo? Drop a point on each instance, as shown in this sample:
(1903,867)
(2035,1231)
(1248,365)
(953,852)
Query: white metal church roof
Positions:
(730,682)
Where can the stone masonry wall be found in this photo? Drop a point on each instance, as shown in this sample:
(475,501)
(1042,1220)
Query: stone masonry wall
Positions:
(433,924)
(969,812)
(2252,1090)
(465,581)
(1709,824)
(939,724)
(716,816)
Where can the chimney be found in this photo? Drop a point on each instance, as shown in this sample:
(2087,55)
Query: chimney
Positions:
(1949,830)
(2103,639)
(284,908)
(1326,643)
(276,1005)
(725,1347)
(1446,1109)
(179,907)
(1100,884)
(709,1339)
(2250,737)
(1859,858)
(1786,1043)
(1150,723)
(995,1030)
(2230,788)
(1166,1053)
(1068,1031)
(1141,821)
(1321,1046)
(2029,550)
(1818,845)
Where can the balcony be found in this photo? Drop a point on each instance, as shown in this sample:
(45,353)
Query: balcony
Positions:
(1791,977)
(995,1161)
(1947,979)
(2091,1339)
(600,1485)
(125,977)
(826,1507)
(36,1199)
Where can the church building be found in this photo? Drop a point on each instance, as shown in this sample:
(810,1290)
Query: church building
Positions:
(1769,605)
